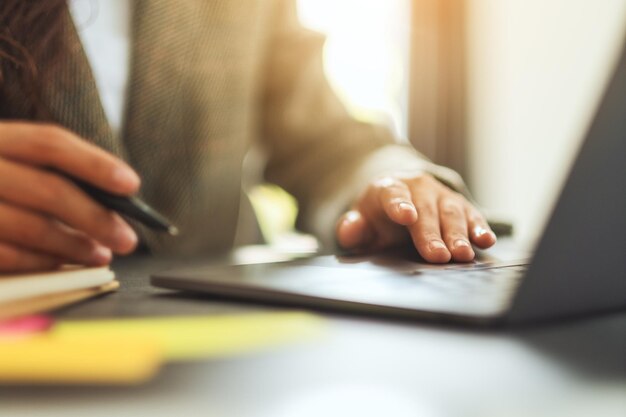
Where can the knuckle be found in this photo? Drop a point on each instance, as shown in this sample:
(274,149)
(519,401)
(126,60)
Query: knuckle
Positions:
(385,182)
(426,210)
(455,195)
(450,207)
(424,179)
(428,236)
(454,236)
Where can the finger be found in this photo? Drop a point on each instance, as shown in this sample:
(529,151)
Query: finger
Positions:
(425,232)
(41,234)
(51,146)
(382,232)
(52,195)
(395,198)
(454,228)
(14,259)
(353,231)
(479,231)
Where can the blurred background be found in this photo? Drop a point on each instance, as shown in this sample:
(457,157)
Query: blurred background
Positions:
(500,90)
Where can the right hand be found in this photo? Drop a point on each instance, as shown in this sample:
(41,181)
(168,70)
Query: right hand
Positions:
(45,220)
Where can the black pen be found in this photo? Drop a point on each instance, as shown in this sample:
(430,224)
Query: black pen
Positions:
(129,206)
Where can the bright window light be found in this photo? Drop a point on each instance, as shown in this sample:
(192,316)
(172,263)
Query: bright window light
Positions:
(366,54)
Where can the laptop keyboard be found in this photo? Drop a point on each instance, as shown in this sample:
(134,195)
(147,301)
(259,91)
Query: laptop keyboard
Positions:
(473,280)
(478,288)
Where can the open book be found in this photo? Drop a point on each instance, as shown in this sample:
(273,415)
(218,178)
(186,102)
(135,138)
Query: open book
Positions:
(32,293)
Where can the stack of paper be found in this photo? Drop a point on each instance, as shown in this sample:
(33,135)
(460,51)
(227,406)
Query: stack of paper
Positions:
(32,293)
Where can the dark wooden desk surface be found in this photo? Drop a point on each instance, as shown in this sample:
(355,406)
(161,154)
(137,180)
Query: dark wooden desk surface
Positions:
(362,367)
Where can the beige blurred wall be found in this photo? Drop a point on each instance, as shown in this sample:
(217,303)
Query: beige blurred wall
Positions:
(536,69)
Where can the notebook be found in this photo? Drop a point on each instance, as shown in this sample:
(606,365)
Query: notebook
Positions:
(31,293)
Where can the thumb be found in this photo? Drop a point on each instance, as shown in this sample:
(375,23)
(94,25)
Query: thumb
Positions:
(354,231)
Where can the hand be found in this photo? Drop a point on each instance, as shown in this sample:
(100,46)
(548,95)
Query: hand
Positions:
(440,222)
(45,220)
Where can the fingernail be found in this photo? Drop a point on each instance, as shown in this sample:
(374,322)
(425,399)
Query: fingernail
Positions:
(479,231)
(435,245)
(461,244)
(406,206)
(125,177)
(351,217)
(101,255)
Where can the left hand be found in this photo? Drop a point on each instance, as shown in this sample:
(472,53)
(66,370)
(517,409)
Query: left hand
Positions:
(394,210)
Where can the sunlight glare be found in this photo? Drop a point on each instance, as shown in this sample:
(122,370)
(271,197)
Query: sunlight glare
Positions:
(366,54)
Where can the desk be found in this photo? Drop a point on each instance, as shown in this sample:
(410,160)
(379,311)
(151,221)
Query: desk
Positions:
(362,367)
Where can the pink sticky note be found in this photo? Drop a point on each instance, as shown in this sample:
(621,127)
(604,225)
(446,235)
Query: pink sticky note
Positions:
(23,326)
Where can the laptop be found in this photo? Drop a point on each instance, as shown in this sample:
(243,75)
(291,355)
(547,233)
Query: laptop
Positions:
(578,267)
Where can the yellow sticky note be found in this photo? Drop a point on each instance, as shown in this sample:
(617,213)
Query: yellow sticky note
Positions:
(132,350)
(196,337)
(51,359)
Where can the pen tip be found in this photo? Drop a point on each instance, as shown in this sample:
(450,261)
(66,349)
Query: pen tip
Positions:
(173,230)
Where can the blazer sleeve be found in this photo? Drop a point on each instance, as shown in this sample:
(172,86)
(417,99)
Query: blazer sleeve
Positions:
(316,150)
